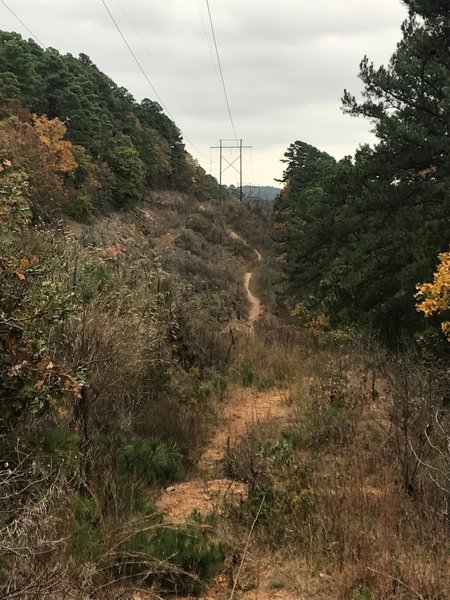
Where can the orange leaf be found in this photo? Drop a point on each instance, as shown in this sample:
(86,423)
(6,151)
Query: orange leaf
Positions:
(24,263)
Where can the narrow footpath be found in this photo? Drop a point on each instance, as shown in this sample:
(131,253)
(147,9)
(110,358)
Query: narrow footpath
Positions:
(209,492)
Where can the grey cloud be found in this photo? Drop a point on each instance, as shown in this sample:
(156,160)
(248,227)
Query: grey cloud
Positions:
(286,63)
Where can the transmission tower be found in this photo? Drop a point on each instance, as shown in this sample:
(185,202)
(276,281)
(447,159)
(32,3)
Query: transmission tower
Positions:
(225,145)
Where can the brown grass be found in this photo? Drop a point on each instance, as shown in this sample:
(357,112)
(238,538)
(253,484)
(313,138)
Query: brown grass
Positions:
(347,494)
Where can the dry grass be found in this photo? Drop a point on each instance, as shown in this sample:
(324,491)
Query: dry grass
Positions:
(339,448)
(349,486)
(133,305)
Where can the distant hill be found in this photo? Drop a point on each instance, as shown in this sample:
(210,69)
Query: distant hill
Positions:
(264,192)
(261,196)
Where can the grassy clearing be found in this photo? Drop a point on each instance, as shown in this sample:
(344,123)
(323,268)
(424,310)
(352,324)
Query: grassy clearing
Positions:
(350,484)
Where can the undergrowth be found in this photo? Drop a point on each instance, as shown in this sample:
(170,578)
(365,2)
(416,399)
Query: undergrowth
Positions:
(112,362)
(352,484)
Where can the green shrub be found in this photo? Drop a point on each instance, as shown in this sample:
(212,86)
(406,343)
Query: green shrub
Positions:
(93,280)
(209,519)
(180,559)
(81,206)
(152,461)
(280,487)
(87,533)
(60,445)
(294,436)
(363,591)
(244,372)
(220,385)
(132,500)
(190,549)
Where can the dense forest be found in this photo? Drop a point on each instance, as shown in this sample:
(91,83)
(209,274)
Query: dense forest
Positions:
(223,400)
(115,146)
(359,234)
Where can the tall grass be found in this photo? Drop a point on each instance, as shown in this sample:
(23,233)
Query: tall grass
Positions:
(356,483)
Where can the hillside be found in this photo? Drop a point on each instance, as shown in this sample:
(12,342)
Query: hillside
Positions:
(115,345)
(117,288)
(119,146)
(263,192)
(164,436)
(217,400)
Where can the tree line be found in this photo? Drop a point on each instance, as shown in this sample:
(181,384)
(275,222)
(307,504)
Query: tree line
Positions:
(119,146)
(359,234)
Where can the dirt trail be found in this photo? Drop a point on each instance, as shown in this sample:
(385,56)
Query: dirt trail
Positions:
(235,236)
(209,491)
(255,304)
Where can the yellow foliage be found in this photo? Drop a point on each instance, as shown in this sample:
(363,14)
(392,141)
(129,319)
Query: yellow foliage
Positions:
(434,298)
(51,133)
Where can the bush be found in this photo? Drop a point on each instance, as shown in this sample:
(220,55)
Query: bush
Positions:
(331,414)
(363,591)
(152,461)
(93,280)
(87,533)
(244,372)
(179,559)
(189,548)
(60,445)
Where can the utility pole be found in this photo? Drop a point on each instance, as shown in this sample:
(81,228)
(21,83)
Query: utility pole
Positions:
(240,170)
(230,163)
(220,176)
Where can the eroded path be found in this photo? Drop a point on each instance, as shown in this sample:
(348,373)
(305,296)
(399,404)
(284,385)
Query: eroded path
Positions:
(209,492)
(255,305)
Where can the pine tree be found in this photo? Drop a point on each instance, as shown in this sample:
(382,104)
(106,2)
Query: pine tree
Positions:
(357,239)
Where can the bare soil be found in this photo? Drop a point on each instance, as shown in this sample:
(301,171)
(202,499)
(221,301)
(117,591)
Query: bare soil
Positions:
(210,492)
(207,492)
(255,304)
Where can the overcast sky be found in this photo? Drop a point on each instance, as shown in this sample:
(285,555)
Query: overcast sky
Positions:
(285,62)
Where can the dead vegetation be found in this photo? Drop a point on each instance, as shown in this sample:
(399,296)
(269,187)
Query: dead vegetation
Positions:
(357,483)
(182,456)
(112,361)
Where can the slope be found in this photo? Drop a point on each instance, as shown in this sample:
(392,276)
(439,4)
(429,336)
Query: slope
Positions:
(123,392)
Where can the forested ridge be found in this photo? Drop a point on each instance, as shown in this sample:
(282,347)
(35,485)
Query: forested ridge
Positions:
(216,399)
(359,234)
(119,146)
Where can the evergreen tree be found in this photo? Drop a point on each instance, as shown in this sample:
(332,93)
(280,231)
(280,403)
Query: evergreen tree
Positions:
(133,144)
(359,235)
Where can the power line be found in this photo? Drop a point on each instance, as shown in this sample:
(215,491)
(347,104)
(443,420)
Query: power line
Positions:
(136,60)
(149,54)
(220,70)
(23,24)
(207,37)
